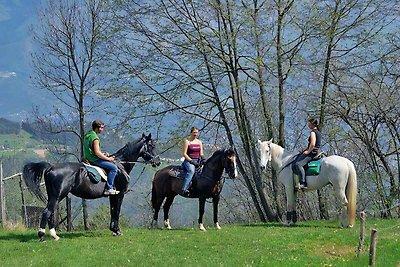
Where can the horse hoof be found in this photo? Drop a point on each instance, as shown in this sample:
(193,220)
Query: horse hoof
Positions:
(56,238)
(350,226)
(217,226)
(288,224)
(154,224)
(167,225)
(41,236)
(202,228)
(118,233)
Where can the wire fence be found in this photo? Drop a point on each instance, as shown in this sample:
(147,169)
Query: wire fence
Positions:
(18,206)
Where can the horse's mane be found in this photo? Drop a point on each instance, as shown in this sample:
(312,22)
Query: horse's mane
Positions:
(128,149)
(219,152)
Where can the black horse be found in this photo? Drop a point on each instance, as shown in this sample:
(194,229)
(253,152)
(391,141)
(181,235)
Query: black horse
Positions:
(72,177)
(207,185)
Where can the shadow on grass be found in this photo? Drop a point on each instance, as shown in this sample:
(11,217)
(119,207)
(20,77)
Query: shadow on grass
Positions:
(32,236)
(299,224)
(180,229)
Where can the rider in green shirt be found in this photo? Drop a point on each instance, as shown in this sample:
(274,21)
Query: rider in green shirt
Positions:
(93,154)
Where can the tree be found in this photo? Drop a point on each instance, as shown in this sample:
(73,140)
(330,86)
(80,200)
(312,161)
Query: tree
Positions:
(346,29)
(236,67)
(65,62)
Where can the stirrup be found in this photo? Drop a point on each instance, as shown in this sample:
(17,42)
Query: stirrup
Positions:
(303,186)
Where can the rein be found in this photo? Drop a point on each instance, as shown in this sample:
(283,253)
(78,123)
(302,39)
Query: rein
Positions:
(133,162)
(288,164)
(137,179)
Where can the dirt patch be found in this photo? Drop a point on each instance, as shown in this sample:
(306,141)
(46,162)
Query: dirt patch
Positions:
(334,251)
(40,152)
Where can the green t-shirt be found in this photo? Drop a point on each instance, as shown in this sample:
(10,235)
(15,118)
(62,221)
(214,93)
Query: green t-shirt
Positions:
(88,152)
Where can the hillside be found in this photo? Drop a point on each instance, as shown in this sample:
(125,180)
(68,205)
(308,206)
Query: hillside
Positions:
(20,145)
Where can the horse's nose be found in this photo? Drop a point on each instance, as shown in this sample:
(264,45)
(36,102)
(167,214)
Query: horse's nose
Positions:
(262,168)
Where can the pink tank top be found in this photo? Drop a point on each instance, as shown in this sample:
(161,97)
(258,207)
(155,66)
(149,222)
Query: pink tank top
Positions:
(193,151)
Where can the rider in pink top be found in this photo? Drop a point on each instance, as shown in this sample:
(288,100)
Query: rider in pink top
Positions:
(193,153)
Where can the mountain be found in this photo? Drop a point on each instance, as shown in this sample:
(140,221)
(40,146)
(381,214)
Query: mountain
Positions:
(17,95)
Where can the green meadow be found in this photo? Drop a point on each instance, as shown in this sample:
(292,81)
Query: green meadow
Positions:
(313,243)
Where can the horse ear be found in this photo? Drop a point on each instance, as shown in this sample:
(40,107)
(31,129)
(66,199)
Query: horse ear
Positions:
(143,135)
(259,141)
(270,141)
(149,136)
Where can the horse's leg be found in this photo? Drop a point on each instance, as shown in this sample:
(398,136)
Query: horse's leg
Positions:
(215,206)
(291,216)
(45,219)
(51,208)
(115,208)
(340,193)
(157,202)
(202,202)
(166,208)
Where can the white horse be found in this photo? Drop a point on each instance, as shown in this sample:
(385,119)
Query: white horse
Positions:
(335,170)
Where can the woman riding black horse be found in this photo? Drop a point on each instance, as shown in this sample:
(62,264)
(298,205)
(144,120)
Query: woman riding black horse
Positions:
(208,185)
(72,177)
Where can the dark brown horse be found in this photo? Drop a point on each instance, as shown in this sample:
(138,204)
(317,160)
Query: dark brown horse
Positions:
(208,185)
(72,177)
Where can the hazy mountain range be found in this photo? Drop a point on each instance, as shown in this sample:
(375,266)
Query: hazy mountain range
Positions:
(17,95)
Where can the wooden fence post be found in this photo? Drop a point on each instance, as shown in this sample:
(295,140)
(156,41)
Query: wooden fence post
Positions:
(372,248)
(2,197)
(362,230)
(23,200)
(69,217)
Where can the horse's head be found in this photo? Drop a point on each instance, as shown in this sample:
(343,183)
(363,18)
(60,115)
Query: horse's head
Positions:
(147,152)
(265,153)
(230,162)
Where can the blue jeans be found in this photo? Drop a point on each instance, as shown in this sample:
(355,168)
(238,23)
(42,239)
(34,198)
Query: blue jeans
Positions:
(301,161)
(111,169)
(190,169)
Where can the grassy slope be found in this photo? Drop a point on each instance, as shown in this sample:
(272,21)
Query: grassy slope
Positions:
(18,144)
(308,244)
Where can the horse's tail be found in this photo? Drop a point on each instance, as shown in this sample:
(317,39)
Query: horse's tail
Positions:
(33,173)
(153,196)
(351,194)
(154,192)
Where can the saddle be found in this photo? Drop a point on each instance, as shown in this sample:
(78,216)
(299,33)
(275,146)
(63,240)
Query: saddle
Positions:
(313,167)
(95,173)
(179,172)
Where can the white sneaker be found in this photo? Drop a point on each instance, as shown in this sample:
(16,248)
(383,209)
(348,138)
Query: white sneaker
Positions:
(108,192)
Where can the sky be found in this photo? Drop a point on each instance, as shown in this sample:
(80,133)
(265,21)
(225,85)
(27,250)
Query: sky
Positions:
(17,95)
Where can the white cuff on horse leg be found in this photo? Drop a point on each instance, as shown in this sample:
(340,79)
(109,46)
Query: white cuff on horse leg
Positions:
(53,232)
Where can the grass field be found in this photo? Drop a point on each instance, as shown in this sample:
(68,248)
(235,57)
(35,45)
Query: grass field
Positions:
(316,243)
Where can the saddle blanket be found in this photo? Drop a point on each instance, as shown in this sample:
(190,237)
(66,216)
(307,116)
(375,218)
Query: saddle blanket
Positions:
(179,172)
(97,172)
(313,167)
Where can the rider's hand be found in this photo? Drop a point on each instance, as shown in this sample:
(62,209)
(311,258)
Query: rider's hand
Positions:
(194,162)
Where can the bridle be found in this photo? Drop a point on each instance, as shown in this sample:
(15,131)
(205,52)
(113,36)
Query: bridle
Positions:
(145,154)
(230,169)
